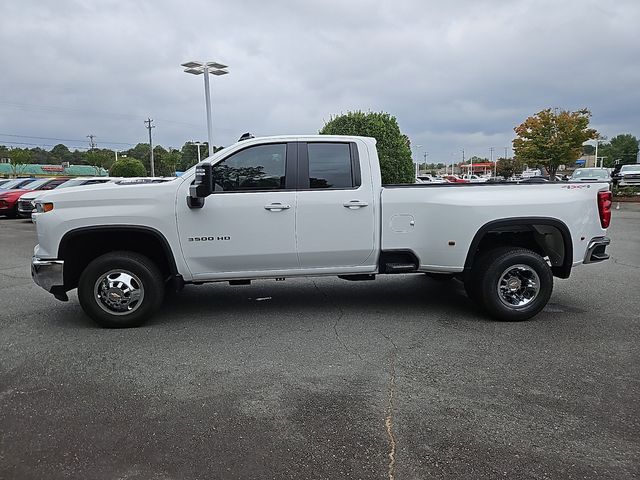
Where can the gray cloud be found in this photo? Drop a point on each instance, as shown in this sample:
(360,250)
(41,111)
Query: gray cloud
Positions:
(456,76)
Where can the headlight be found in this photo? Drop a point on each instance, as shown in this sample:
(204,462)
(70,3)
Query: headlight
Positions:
(44,207)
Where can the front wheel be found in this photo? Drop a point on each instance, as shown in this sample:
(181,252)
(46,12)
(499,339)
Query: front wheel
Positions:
(513,284)
(120,289)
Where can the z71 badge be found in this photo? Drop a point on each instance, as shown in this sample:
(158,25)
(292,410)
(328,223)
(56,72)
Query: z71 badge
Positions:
(209,239)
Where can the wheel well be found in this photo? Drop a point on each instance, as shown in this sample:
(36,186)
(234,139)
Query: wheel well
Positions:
(79,247)
(549,238)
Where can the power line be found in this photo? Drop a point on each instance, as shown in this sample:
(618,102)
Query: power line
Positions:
(69,110)
(77,147)
(60,139)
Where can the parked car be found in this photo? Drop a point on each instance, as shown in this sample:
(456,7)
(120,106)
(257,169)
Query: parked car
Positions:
(17,183)
(454,179)
(326,212)
(590,175)
(9,198)
(27,202)
(536,179)
(629,175)
(3,181)
(429,179)
(473,178)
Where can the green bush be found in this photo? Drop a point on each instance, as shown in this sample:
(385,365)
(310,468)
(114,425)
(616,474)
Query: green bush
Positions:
(128,167)
(393,147)
(626,191)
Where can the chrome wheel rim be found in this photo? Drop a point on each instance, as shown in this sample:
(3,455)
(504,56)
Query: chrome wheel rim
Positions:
(518,286)
(119,292)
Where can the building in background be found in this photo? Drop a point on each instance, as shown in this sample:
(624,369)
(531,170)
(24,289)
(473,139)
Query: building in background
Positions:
(33,170)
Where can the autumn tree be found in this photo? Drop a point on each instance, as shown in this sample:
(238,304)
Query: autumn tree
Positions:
(393,147)
(553,138)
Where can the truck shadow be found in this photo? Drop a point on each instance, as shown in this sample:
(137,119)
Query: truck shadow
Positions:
(409,296)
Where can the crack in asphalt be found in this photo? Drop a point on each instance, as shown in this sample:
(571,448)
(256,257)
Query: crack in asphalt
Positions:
(388,421)
(335,324)
(391,389)
(617,262)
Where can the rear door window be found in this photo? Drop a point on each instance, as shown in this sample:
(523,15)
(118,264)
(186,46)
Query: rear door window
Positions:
(330,165)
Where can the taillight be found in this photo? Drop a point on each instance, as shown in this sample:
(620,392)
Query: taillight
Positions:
(604,208)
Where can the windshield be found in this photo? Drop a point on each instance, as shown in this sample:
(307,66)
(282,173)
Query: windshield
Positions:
(591,173)
(11,184)
(71,183)
(630,168)
(36,184)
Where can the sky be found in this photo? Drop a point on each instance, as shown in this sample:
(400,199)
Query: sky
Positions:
(458,74)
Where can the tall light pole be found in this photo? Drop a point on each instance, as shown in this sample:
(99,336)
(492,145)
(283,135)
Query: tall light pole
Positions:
(418,147)
(198,144)
(495,165)
(206,68)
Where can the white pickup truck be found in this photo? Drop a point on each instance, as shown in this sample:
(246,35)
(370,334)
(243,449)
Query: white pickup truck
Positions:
(297,206)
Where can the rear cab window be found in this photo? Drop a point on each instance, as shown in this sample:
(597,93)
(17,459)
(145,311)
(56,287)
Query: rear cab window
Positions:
(330,166)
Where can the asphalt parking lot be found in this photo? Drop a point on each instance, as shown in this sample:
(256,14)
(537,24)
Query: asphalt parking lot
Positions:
(322,378)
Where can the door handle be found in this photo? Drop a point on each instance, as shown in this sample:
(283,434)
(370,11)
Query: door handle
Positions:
(354,204)
(276,207)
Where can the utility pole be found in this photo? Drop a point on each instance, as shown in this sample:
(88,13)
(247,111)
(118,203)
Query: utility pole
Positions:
(92,143)
(505,152)
(148,123)
(495,169)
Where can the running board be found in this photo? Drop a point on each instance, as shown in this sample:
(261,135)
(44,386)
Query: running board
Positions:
(358,277)
(400,267)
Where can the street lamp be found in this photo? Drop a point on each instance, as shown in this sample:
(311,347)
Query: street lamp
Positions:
(198,144)
(206,68)
(418,147)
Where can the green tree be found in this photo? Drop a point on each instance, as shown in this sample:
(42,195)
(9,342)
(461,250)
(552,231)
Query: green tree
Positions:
(18,159)
(40,156)
(100,159)
(620,149)
(165,161)
(128,167)
(507,167)
(393,147)
(553,138)
(60,153)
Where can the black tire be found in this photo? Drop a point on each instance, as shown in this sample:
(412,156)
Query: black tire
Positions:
(531,277)
(13,213)
(143,276)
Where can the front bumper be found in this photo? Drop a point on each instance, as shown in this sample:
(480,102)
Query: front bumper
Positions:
(25,208)
(48,274)
(596,250)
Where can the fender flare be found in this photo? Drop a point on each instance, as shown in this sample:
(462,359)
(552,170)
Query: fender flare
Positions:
(561,271)
(123,228)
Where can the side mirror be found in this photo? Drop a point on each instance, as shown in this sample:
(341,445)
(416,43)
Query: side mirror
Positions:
(202,185)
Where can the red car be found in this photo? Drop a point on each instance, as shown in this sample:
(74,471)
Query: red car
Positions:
(454,179)
(9,197)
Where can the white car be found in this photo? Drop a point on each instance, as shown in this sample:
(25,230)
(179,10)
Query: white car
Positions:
(590,175)
(305,206)
(430,179)
(629,175)
(472,178)
(27,202)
